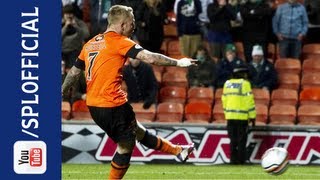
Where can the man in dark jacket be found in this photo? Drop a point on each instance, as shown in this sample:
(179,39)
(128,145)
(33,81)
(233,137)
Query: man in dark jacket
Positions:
(141,83)
(204,74)
(262,73)
(256,16)
(187,12)
(226,65)
(220,13)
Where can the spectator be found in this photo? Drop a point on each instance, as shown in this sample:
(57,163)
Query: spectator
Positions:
(141,82)
(74,32)
(256,15)
(290,24)
(220,14)
(202,75)
(272,38)
(187,12)
(313,11)
(77,6)
(226,65)
(262,73)
(95,14)
(239,108)
(204,20)
(150,18)
(236,25)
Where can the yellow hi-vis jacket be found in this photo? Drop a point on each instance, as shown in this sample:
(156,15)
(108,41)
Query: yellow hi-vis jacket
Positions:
(237,100)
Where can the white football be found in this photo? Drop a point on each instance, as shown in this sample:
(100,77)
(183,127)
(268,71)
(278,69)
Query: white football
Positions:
(275,160)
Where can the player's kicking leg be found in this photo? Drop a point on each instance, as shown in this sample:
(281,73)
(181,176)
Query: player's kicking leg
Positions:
(121,160)
(156,142)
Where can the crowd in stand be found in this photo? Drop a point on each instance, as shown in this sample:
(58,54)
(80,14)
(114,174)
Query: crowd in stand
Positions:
(206,30)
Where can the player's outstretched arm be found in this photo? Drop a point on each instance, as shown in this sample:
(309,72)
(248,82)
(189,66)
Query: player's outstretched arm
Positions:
(162,60)
(72,76)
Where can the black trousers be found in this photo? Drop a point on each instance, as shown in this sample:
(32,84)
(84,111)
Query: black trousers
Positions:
(237,132)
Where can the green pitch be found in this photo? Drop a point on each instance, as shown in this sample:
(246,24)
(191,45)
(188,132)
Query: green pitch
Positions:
(181,171)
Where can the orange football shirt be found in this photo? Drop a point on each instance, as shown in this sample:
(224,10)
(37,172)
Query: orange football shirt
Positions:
(104,57)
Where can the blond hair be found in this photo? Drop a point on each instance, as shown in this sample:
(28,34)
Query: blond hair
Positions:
(118,13)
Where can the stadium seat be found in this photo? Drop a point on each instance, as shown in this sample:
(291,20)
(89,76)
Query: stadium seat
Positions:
(280,114)
(200,94)
(169,112)
(218,114)
(309,50)
(288,66)
(262,114)
(240,50)
(289,81)
(261,96)
(144,115)
(311,56)
(170,30)
(310,96)
(309,115)
(218,95)
(173,94)
(171,16)
(198,112)
(160,69)
(272,52)
(179,78)
(174,69)
(65,110)
(80,110)
(284,96)
(158,76)
(279,2)
(164,46)
(311,66)
(310,80)
(173,48)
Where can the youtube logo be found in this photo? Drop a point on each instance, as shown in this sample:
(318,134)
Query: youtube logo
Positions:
(30,157)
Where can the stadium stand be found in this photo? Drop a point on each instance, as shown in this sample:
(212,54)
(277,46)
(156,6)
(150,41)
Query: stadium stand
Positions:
(311,66)
(309,115)
(280,114)
(240,50)
(198,112)
(310,96)
(173,94)
(173,48)
(284,96)
(170,30)
(289,81)
(158,76)
(174,69)
(200,94)
(272,52)
(65,110)
(262,114)
(261,96)
(170,112)
(311,51)
(310,80)
(144,115)
(80,110)
(218,114)
(217,95)
(288,65)
(178,78)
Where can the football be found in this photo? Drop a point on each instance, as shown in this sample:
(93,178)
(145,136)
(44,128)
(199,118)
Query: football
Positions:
(275,160)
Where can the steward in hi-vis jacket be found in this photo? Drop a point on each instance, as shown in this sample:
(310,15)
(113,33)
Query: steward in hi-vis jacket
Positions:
(239,109)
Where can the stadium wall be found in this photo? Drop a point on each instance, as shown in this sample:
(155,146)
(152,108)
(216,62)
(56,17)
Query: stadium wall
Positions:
(84,142)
